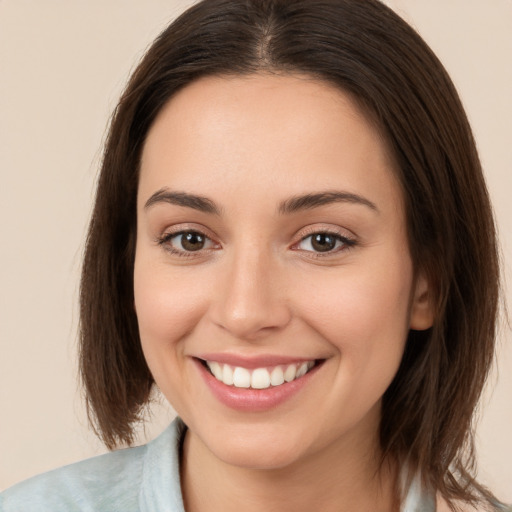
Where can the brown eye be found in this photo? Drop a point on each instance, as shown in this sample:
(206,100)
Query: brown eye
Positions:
(187,241)
(192,241)
(324,243)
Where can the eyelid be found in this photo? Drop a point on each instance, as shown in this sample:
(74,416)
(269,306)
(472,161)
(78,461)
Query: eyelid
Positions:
(325,228)
(169,233)
(349,239)
(186,227)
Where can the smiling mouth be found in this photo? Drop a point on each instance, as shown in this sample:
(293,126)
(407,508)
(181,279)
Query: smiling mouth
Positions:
(258,378)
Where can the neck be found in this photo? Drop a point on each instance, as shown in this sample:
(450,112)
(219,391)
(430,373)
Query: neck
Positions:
(344,477)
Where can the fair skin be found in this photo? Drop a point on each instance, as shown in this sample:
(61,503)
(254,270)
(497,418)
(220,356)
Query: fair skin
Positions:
(266,281)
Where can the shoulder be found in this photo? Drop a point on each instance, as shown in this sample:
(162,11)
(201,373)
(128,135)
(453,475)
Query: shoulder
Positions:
(87,485)
(124,481)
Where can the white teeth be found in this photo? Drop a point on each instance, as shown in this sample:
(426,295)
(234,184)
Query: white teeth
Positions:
(227,375)
(241,378)
(290,373)
(303,368)
(216,369)
(277,376)
(259,378)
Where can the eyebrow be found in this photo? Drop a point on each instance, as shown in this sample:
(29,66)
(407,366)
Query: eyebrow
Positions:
(291,205)
(196,202)
(309,201)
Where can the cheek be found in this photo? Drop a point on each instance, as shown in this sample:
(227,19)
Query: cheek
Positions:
(167,311)
(365,316)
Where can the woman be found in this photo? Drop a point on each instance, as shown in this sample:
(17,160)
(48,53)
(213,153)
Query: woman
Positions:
(292,239)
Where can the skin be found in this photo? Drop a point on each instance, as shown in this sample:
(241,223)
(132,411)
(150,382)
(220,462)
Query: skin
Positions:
(249,144)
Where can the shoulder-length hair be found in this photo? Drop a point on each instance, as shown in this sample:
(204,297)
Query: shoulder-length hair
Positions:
(368,51)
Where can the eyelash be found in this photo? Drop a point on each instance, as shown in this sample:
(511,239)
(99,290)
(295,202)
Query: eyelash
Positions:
(347,243)
(166,238)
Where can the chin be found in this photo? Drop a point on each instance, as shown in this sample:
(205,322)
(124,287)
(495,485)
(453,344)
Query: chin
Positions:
(252,446)
(250,455)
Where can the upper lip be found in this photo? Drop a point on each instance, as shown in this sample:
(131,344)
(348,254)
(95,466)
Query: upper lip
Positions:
(255,361)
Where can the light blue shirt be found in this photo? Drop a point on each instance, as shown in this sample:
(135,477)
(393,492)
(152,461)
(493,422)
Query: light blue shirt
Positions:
(141,479)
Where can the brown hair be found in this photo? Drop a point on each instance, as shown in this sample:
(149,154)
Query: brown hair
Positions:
(365,49)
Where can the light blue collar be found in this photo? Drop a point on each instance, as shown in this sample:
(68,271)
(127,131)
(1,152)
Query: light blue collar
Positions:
(161,487)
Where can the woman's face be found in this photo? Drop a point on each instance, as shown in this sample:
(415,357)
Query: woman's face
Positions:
(271,240)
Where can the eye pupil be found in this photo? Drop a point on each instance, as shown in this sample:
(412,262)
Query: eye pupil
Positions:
(192,241)
(323,242)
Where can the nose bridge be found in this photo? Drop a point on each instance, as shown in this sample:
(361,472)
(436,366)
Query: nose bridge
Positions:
(252,301)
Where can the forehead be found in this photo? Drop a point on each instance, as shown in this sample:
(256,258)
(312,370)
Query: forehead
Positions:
(277,131)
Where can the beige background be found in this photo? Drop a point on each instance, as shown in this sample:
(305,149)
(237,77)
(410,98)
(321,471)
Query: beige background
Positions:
(62,66)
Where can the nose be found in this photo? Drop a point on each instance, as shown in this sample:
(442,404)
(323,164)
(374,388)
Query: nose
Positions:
(251,300)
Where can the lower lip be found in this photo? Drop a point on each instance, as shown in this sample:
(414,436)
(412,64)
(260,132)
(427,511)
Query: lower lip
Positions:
(254,400)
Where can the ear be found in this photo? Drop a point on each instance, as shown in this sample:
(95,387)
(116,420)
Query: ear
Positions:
(422,306)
